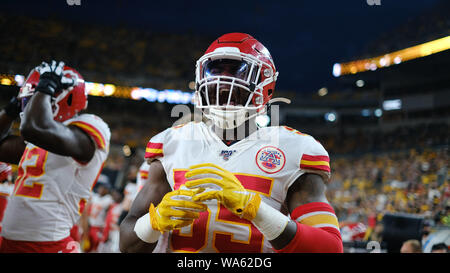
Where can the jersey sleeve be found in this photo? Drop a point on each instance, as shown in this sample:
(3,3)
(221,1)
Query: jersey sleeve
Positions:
(315,159)
(142,175)
(155,146)
(95,127)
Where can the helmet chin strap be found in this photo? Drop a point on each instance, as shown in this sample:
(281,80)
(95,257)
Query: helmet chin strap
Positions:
(227,119)
(233,119)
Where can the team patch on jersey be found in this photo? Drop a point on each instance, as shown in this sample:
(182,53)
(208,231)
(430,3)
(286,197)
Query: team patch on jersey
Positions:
(270,159)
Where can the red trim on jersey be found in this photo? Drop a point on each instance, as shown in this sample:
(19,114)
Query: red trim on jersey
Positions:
(316,157)
(92,131)
(315,162)
(311,207)
(98,175)
(67,245)
(314,239)
(153,150)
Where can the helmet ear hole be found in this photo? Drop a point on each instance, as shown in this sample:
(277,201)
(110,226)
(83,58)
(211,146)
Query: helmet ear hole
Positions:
(269,92)
(69,100)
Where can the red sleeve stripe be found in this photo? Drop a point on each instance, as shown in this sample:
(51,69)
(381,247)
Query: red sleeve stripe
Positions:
(92,131)
(315,167)
(311,207)
(154,150)
(318,215)
(315,162)
(315,157)
(143,174)
(152,145)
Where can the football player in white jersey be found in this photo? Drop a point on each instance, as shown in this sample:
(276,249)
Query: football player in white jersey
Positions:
(97,207)
(232,186)
(59,153)
(142,176)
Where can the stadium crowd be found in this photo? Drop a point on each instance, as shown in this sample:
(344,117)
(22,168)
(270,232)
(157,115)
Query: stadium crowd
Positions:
(123,55)
(373,173)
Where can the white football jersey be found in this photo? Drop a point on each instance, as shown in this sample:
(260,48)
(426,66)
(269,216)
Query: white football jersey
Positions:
(98,208)
(267,162)
(51,190)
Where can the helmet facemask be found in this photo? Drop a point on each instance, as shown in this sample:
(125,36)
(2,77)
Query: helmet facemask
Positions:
(229,87)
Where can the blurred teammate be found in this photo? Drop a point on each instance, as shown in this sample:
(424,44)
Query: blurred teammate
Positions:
(142,176)
(229,187)
(59,155)
(97,208)
(110,234)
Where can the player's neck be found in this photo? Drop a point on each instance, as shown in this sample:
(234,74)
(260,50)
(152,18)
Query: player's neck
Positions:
(232,136)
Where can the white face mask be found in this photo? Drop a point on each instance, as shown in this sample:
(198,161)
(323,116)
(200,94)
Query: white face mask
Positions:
(229,89)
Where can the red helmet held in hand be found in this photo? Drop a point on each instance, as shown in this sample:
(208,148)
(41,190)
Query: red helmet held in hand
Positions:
(66,103)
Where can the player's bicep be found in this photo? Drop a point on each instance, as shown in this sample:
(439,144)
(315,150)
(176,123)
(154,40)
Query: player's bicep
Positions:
(79,144)
(308,188)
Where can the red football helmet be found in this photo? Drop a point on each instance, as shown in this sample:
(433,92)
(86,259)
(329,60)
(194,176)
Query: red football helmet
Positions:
(5,172)
(65,103)
(236,75)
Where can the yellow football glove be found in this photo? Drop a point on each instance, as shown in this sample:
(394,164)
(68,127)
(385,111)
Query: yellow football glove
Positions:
(232,195)
(176,210)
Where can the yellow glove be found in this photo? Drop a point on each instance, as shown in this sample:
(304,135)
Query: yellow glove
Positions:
(232,195)
(176,210)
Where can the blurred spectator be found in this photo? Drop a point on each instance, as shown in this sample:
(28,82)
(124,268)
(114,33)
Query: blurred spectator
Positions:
(439,248)
(411,246)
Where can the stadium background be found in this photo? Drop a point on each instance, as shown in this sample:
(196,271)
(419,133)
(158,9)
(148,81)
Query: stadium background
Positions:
(357,81)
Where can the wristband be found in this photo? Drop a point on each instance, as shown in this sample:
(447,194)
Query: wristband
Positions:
(144,230)
(269,221)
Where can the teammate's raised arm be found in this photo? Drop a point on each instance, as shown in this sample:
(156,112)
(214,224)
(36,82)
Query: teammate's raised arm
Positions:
(62,154)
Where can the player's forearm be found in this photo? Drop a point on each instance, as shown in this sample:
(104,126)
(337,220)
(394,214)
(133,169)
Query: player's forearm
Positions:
(129,241)
(287,235)
(38,120)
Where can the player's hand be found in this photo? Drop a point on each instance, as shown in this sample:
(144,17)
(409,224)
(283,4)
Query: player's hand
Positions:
(232,194)
(176,210)
(52,78)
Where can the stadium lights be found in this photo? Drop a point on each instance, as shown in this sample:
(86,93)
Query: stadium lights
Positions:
(378,112)
(322,91)
(392,58)
(103,90)
(331,116)
(389,105)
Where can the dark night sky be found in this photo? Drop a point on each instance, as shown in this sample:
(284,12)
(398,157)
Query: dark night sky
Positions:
(305,37)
